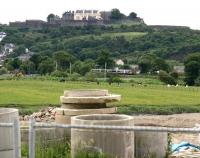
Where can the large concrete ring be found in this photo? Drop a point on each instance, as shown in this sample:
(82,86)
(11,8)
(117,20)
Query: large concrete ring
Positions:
(64,115)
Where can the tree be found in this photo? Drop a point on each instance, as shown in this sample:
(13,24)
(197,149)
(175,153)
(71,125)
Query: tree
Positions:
(152,63)
(20,50)
(36,59)
(3,71)
(160,64)
(146,63)
(132,15)
(59,74)
(46,66)
(197,81)
(63,60)
(16,63)
(50,16)
(82,67)
(27,67)
(174,74)
(12,64)
(104,59)
(166,78)
(192,68)
(116,14)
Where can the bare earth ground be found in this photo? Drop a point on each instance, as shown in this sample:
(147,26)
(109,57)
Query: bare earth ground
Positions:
(176,120)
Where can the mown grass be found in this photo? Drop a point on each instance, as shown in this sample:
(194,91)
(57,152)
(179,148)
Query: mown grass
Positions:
(33,94)
(127,35)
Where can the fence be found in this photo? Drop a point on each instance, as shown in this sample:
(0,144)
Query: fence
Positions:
(33,125)
(16,136)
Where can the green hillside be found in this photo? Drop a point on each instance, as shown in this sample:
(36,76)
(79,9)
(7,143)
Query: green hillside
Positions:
(128,41)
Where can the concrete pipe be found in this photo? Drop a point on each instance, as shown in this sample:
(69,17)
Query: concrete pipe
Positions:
(63,116)
(114,144)
(150,144)
(44,135)
(7,115)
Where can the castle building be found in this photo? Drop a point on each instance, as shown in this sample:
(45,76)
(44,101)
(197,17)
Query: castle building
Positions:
(35,24)
(105,15)
(54,20)
(68,16)
(87,15)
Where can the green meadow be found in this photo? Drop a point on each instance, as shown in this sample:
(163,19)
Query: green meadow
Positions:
(33,94)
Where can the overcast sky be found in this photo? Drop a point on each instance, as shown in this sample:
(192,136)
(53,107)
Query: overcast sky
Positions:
(154,12)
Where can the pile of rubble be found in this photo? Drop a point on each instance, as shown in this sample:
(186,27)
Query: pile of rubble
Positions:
(44,115)
(186,154)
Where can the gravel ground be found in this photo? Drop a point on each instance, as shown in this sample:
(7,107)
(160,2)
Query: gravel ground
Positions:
(176,120)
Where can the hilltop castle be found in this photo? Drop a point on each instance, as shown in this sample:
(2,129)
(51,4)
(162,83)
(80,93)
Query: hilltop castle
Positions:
(80,16)
(69,18)
(73,18)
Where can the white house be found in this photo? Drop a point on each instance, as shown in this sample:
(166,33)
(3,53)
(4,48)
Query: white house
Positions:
(179,69)
(2,36)
(119,62)
(9,48)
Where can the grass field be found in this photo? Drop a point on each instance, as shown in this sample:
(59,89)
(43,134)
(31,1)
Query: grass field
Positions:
(30,94)
(127,35)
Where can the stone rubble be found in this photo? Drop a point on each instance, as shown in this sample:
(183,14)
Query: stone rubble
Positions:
(188,153)
(44,115)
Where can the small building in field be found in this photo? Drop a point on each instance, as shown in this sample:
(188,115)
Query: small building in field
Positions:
(25,56)
(135,69)
(179,69)
(119,62)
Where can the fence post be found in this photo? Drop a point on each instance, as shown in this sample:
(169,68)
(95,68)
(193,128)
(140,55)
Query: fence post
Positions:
(16,138)
(31,138)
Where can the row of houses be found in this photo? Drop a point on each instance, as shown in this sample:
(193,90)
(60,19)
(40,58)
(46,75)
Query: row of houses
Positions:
(133,69)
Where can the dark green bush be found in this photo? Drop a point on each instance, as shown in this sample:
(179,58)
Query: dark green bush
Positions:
(3,71)
(166,78)
(59,74)
(174,75)
(197,81)
(74,77)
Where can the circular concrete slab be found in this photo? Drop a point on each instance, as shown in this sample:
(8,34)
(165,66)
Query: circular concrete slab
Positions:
(90,100)
(86,93)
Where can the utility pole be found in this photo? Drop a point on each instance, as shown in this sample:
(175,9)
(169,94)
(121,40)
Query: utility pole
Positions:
(70,68)
(56,66)
(105,71)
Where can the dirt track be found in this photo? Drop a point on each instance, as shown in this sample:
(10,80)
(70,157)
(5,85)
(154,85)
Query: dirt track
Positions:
(176,120)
